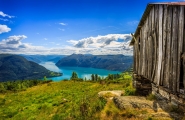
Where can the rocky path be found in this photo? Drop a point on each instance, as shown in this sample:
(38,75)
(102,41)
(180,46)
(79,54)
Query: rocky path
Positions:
(140,108)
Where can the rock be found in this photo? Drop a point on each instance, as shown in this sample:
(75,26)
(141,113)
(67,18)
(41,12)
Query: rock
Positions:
(158,109)
(110,94)
(132,102)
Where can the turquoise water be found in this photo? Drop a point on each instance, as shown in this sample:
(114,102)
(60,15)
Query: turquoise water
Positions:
(81,71)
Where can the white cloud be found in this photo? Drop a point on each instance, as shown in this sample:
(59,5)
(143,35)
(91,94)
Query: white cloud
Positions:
(61,29)
(4,28)
(45,39)
(108,44)
(101,41)
(14,44)
(100,45)
(4,19)
(63,24)
(5,15)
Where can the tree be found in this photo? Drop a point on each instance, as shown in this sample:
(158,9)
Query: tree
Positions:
(74,76)
(2,88)
(99,78)
(110,77)
(92,77)
(96,77)
(45,78)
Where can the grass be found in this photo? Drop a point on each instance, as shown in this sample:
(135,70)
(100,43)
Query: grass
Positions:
(56,100)
(68,100)
(151,97)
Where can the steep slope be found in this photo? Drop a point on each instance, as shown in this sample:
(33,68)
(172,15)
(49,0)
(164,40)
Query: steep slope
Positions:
(14,67)
(43,58)
(109,62)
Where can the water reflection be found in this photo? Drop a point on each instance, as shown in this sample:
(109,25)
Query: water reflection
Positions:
(50,66)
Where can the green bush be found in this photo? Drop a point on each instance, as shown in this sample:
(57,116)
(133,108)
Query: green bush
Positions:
(20,85)
(130,91)
(151,97)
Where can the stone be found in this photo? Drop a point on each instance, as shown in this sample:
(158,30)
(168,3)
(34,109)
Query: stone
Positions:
(164,93)
(113,93)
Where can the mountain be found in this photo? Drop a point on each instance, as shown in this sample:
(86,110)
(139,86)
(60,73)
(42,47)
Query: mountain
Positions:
(55,60)
(43,58)
(15,67)
(109,62)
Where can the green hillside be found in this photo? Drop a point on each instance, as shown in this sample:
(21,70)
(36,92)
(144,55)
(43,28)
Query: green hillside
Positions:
(15,67)
(76,100)
(56,100)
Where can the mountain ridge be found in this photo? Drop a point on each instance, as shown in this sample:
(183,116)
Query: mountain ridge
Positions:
(109,62)
(15,67)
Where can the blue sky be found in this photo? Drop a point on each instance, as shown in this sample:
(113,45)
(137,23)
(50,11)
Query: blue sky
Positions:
(69,26)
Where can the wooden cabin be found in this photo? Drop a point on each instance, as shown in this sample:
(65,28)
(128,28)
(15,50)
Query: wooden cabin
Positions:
(159,51)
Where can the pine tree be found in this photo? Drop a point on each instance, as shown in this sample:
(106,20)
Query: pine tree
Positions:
(45,78)
(74,75)
(92,77)
(96,77)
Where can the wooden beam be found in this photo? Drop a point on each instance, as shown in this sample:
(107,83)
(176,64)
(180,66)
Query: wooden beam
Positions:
(168,48)
(133,37)
(174,48)
(180,43)
(163,69)
(160,44)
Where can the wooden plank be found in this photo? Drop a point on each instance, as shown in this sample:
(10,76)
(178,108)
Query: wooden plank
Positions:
(168,48)
(146,48)
(152,35)
(138,49)
(156,34)
(163,69)
(155,58)
(149,45)
(135,49)
(183,67)
(160,44)
(180,43)
(141,51)
(183,62)
(137,54)
(174,47)
(134,56)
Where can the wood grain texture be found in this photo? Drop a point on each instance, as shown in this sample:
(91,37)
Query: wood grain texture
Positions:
(163,67)
(160,44)
(174,48)
(168,48)
(180,44)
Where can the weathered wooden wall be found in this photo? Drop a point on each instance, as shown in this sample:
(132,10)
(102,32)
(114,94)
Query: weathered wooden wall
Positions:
(159,46)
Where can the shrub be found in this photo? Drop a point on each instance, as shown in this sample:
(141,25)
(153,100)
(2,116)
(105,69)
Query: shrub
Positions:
(149,118)
(151,97)
(130,91)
